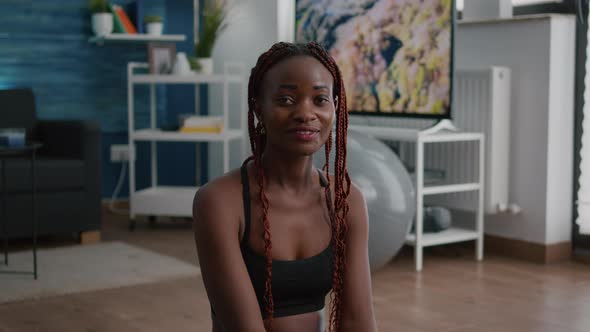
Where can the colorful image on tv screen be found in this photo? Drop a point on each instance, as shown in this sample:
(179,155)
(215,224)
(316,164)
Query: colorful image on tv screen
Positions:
(395,55)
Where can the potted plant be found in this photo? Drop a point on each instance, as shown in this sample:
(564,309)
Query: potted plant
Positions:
(214,14)
(153,24)
(102,19)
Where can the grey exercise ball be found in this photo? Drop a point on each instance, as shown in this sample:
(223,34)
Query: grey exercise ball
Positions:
(388,191)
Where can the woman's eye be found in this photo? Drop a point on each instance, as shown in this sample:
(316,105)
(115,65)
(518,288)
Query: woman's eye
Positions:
(285,100)
(322,100)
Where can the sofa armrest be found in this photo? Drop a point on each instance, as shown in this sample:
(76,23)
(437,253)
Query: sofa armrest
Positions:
(71,139)
(76,139)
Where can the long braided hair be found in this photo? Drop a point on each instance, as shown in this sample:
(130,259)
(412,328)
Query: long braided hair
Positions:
(278,52)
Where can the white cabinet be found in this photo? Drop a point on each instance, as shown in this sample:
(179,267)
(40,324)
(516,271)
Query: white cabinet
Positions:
(166,200)
(420,240)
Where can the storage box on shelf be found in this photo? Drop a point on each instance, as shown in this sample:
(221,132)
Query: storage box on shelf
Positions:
(174,200)
(420,240)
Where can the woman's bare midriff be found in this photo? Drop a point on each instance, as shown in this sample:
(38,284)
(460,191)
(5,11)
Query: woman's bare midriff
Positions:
(308,322)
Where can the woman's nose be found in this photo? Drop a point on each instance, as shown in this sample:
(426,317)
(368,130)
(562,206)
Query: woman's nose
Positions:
(305,112)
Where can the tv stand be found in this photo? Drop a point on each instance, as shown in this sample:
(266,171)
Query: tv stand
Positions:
(442,125)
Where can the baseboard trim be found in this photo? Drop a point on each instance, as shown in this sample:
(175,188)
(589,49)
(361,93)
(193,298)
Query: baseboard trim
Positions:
(119,204)
(90,237)
(581,256)
(529,251)
(118,207)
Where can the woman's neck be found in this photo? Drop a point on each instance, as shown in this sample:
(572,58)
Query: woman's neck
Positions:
(288,172)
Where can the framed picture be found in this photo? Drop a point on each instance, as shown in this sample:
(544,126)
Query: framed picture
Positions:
(161,57)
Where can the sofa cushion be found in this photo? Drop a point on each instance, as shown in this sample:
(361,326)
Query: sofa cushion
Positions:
(51,175)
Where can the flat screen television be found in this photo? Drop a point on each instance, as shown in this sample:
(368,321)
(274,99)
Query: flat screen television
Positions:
(396,56)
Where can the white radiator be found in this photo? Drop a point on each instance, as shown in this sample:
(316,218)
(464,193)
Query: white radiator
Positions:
(481,103)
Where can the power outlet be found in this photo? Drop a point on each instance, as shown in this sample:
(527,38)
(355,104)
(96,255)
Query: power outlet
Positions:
(119,152)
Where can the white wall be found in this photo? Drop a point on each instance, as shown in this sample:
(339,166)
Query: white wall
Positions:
(253,28)
(540,52)
(560,149)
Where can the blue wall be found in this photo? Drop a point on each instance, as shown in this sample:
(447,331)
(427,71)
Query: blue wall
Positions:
(44,45)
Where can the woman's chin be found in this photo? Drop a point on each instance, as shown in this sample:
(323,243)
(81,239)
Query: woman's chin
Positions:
(290,150)
(304,151)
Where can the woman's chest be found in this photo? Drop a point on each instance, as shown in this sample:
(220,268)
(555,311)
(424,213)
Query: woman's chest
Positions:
(298,227)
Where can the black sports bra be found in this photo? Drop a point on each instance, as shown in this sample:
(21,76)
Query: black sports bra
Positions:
(298,286)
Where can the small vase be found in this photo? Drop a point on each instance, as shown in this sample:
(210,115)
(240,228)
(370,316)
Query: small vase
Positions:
(102,24)
(181,65)
(154,28)
(206,65)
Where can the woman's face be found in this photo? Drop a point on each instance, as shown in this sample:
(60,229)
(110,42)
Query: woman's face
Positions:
(297,106)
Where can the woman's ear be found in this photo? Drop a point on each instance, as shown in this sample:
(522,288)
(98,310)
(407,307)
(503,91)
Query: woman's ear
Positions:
(257,110)
(335,110)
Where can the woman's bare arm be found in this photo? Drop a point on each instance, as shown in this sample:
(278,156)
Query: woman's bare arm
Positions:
(357,303)
(224,273)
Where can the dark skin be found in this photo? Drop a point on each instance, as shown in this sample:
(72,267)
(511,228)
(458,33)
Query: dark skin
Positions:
(297,92)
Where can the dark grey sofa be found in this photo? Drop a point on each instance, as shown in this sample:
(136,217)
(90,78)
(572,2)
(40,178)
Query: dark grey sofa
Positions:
(67,172)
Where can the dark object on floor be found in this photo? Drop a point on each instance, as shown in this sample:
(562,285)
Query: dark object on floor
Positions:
(67,171)
(436,219)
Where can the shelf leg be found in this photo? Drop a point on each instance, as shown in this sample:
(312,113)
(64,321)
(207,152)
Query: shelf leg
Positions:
(153,144)
(152,221)
(419,169)
(4,214)
(132,224)
(480,201)
(130,129)
(225,156)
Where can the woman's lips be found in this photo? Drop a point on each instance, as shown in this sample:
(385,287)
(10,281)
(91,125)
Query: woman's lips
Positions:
(304,134)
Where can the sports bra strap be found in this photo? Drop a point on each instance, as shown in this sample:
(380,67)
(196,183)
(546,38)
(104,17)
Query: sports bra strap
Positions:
(246,202)
(324,183)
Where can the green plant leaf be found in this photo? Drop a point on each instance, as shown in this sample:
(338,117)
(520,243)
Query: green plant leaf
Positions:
(194,63)
(152,19)
(98,6)
(214,23)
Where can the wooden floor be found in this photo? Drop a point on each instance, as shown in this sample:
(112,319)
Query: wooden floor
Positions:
(452,294)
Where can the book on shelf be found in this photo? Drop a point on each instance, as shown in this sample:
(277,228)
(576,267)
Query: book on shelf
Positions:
(201,124)
(134,10)
(117,24)
(124,19)
(201,130)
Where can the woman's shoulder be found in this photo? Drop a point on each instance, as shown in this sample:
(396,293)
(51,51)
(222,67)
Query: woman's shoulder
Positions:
(223,192)
(355,195)
(356,200)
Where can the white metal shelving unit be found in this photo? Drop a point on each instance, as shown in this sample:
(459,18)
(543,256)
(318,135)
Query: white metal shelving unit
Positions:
(420,240)
(177,200)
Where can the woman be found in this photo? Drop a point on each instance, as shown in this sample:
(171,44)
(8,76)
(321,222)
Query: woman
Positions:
(276,236)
